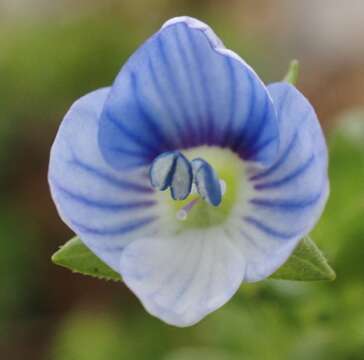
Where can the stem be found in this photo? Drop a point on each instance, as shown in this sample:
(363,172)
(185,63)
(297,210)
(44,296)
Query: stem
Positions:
(293,72)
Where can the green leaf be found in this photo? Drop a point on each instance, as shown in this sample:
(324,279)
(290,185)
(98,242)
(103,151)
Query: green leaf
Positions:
(76,256)
(307,263)
(293,71)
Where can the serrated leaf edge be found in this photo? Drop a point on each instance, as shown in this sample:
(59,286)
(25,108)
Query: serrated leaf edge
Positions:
(100,277)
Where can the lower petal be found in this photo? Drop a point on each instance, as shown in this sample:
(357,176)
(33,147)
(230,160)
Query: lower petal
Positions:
(182,278)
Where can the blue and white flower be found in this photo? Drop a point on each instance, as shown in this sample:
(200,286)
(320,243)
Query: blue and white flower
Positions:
(188,175)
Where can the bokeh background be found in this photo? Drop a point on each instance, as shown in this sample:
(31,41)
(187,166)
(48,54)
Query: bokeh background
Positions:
(51,53)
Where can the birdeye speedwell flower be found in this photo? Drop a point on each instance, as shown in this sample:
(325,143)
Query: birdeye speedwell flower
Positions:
(189,176)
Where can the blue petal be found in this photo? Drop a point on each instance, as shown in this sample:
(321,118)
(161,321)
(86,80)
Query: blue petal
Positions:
(107,209)
(181,89)
(182,278)
(288,197)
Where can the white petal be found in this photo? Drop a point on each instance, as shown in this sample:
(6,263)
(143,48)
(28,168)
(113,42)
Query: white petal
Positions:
(181,278)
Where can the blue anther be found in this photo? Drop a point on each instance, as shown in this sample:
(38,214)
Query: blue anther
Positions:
(162,170)
(207,181)
(182,178)
(172,169)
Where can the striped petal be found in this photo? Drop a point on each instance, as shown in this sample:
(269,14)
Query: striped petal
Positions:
(181,278)
(182,89)
(287,197)
(107,209)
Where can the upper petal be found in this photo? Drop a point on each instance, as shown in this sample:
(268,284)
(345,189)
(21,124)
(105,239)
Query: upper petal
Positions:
(107,209)
(181,89)
(181,278)
(289,196)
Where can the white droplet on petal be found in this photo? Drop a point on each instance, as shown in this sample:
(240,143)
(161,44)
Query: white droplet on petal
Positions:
(181,215)
(223,187)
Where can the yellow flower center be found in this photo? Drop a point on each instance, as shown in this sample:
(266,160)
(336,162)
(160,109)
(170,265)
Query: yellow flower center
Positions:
(201,214)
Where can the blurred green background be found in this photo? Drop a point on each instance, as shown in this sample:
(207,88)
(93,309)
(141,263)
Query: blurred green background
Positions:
(51,53)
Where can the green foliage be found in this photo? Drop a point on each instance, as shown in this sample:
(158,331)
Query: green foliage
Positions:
(293,72)
(198,354)
(18,255)
(307,263)
(340,230)
(77,257)
(85,336)
(63,61)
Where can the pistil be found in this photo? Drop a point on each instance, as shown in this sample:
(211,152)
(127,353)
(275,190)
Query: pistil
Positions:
(182,213)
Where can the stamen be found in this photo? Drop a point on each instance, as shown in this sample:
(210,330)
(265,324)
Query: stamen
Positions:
(183,212)
(207,182)
(181,179)
(173,170)
(162,170)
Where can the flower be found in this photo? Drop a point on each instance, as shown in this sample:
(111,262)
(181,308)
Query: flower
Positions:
(245,163)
